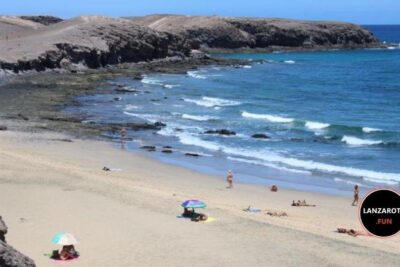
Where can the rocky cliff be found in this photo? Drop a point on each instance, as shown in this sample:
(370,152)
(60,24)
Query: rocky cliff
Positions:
(233,33)
(40,43)
(88,42)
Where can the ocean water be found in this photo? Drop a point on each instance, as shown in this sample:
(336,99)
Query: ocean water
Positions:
(332,118)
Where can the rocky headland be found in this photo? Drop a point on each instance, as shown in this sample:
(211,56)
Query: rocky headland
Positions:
(42,42)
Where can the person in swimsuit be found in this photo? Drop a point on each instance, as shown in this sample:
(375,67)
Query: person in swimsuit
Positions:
(229,179)
(356,192)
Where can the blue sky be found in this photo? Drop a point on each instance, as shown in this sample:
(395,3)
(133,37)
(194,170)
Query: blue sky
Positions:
(357,11)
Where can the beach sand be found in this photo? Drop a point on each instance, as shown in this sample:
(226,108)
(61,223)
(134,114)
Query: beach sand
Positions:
(129,217)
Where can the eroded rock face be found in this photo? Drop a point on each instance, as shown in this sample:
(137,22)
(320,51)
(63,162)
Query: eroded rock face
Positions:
(10,257)
(45,20)
(232,33)
(89,42)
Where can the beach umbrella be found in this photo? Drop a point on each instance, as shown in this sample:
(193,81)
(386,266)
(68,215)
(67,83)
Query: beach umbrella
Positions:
(64,239)
(193,204)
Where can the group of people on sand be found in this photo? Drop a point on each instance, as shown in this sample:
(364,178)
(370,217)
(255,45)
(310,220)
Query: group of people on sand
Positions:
(302,204)
(194,216)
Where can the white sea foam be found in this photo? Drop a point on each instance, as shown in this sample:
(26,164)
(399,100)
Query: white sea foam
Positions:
(345,181)
(198,117)
(289,61)
(379,181)
(316,125)
(146,117)
(212,102)
(170,86)
(354,141)
(196,75)
(151,81)
(272,157)
(131,107)
(246,66)
(263,163)
(370,130)
(268,117)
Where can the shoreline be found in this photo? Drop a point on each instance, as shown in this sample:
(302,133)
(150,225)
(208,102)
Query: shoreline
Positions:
(50,185)
(46,111)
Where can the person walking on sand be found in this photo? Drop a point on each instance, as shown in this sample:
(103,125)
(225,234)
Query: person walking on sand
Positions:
(229,179)
(356,191)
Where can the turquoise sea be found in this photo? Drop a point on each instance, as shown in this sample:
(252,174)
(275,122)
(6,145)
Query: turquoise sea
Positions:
(332,118)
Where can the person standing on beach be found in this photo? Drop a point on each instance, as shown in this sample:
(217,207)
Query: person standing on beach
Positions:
(356,191)
(229,179)
(124,134)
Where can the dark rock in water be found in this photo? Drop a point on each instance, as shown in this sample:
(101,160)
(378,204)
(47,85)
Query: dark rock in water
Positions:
(138,77)
(125,89)
(297,139)
(3,230)
(159,124)
(117,98)
(167,147)
(260,136)
(167,151)
(10,257)
(220,132)
(20,116)
(178,129)
(155,100)
(192,154)
(3,128)
(149,148)
(63,119)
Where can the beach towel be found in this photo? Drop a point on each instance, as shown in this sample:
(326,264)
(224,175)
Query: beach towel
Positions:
(210,220)
(64,262)
(252,210)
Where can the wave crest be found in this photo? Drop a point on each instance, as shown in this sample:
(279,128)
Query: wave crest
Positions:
(268,117)
(354,141)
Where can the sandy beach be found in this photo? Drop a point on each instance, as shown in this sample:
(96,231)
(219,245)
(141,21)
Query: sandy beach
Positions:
(129,217)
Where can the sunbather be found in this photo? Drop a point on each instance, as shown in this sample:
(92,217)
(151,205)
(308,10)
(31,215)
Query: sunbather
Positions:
(187,213)
(301,204)
(199,217)
(68,253)
(277,214)
(352,232)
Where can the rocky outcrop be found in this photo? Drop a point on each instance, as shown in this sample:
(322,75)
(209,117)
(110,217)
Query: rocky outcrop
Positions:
(10,257)
(88,42)
(45,20)
(233,33)
(260,136)
(3,230)
(220,132)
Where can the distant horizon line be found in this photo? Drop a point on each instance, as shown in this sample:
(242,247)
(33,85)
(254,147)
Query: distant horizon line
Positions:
(177,14)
